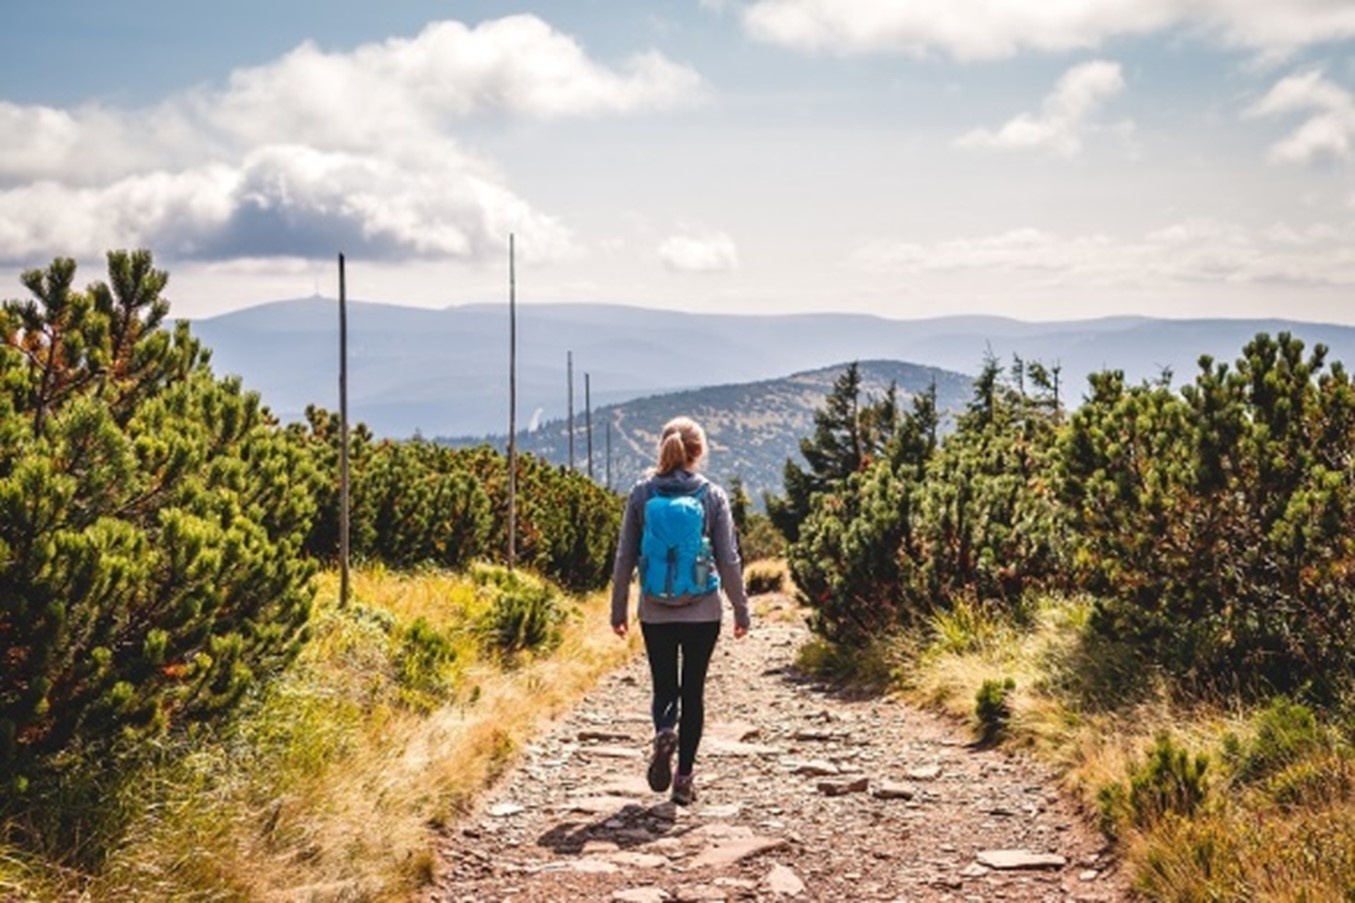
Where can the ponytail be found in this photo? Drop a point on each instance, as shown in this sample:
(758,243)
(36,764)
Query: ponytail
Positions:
(681,446)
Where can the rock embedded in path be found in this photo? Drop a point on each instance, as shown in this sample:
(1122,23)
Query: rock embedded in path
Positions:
(816,768)
(641,895)
(612,752)
(925,773)
(893,790)
(603,736)
(783,882)
(1007,860)
(735,850)
(504,810)
(843,787)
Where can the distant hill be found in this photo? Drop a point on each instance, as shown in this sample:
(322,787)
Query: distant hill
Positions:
(752,427)
(444,372)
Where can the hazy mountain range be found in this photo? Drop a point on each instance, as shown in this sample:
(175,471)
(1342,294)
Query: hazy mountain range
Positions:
(444,372)
(752,427)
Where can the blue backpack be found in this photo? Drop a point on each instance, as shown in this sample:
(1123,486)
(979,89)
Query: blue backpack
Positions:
(675,551)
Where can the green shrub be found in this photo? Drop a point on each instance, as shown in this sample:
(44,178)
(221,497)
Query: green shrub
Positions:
(422,664)
(151,523)
(524,614)
(993,709)
(1169,781)
(764,578)
(1282,734)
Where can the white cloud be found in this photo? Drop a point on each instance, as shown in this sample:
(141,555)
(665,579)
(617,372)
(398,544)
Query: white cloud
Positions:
(1191,251)
(997,29)
(1329,130)
(314,148)
(705,252)
(1079,92)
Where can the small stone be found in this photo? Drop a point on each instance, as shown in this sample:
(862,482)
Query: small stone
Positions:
(736,883)
(783,882)
(841,788)
(816,768)
(599,805)
(1088,875)
(893,790)
(925,772)
(728,810)
(815,736)
(593,847)
(632,859)
(641,895)
(1020,859)
(591,866)
(736,850)
(504,810)
(974,870)
(700,893)
(600,736)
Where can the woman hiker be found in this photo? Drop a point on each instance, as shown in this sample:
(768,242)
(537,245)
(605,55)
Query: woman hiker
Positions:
(678,530)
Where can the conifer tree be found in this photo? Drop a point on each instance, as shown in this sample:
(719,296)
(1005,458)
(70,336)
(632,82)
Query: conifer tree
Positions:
(151,521)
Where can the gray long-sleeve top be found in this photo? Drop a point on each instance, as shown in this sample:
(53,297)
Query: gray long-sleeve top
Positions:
(705,607)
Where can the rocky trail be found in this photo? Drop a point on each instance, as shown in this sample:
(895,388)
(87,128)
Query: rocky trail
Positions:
(804,794)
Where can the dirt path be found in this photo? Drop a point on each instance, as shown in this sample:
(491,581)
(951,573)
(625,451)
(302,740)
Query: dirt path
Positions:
(781,815)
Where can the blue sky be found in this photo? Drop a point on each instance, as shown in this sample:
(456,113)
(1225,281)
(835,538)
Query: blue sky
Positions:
(1059,159)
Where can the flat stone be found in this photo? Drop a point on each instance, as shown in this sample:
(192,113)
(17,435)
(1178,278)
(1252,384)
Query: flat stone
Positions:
(591,866)
(783,882)
(700,893)
(504,810)
(893,790)
(925,772)
(841,788)
(632,859)
(816,768)
(601,736)
(1020,859)
(593,847)
(733,851)
(1088,875)
(728,810)
(737,748)
(736,883)
(641,895)
(815,736)
(974,870)
(600,805)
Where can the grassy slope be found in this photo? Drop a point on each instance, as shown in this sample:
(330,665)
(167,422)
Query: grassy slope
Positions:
(329,783)
(1283,829)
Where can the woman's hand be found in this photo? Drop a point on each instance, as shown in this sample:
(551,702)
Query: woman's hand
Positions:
(740,632)
(620,629)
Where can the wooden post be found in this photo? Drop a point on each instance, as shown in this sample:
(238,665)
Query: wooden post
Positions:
(343,438)
(512,407)
(609,452)
(569,394)
(588,421)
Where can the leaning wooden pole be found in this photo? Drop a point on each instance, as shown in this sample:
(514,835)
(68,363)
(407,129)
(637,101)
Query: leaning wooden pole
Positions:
(588,421)
(512,408)
(343,438)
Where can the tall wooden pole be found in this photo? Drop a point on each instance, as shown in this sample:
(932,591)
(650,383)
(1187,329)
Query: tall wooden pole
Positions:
(512,407)
(343,437)
(609,453)
(588,421)
(569,394)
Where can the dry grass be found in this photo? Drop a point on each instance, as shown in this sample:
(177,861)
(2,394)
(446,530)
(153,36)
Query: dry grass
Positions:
(1289,838)
(330,786)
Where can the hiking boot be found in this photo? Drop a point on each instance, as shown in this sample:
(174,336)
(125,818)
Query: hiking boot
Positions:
(683,791)
(661,762)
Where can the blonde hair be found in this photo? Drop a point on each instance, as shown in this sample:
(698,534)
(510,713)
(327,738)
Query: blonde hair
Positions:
(681,445)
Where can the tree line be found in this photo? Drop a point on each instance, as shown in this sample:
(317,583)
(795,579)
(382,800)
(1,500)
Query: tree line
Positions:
(159,528)
(1214,524)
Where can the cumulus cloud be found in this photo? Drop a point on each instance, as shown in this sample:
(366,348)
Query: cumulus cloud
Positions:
(1191,251)
(997,29)
(1329,130)
(1056,129)
(704,252)
(316,148)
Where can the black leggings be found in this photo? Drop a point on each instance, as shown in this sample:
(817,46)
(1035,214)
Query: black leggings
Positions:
(685,692)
